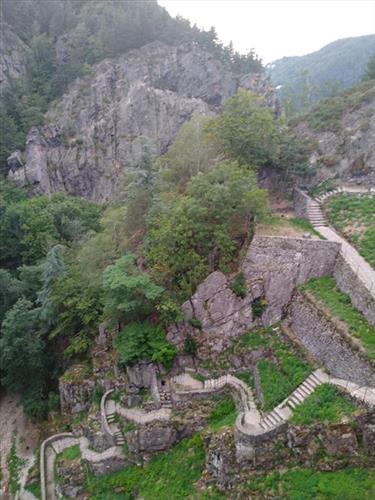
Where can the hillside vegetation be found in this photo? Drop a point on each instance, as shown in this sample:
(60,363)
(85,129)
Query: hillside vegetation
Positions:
(307,79)
(68,264)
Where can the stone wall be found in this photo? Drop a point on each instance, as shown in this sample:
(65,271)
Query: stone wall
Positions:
(327,342)
(348,282)
(301,203)
(319,446)
(274,266)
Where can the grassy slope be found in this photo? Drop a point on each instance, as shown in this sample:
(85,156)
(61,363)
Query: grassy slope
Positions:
(305,484)
(171,474)
(325,290)
(354,217)
(325,404)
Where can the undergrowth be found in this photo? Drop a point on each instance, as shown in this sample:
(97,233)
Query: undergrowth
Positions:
(306,484)
(170,474)
(325,404)
(354,217)
(339,304)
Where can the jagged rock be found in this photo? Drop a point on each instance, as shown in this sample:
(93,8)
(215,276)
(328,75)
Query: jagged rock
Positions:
(76,390)
(273,267)
(149,438)
(348,151)
(12,56)
(15,160)
(369,438)
(98,129)
(221,314)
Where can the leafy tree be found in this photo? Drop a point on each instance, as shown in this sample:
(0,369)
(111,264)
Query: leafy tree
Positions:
(10,292)
(21,348)
(77,307)
(246,130)
(31,227)
(144,342)
(203,230)
(190,153)
(53,267)
(129,294)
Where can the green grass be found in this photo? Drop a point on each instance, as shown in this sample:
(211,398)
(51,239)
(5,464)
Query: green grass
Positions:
(305,484)
(71,453)
(354,217)
(224,414)
(325,404)
(303,224)
(339,304)
(14,467)
(277,381)
(171,474)
(34,488)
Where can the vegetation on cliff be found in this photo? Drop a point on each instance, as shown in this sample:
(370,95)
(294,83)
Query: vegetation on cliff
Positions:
(65,38)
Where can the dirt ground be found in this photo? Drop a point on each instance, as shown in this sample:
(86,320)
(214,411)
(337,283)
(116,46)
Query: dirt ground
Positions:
(15,425)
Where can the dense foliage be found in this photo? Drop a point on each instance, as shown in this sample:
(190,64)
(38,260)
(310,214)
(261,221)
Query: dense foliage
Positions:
(68,264)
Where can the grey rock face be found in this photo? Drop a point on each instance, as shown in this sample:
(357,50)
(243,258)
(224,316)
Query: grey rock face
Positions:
(273,267)
(348,152)
(222,315)
(12,56)
(98,130)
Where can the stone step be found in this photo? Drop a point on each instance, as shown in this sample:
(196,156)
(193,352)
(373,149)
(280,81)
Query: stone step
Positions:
(314,378)
(303,391)
(310,385)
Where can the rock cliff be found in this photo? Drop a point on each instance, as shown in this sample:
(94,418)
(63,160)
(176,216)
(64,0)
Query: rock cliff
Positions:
(99,128)
(342,131)
(12,56)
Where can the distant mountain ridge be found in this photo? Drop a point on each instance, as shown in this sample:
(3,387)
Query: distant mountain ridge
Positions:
(307,79)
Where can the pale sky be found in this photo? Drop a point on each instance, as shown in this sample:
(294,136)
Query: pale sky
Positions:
(277,28)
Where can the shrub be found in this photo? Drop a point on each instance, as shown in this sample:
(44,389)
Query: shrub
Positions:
(190,345)
(144,341)
(238,285)
(258,306)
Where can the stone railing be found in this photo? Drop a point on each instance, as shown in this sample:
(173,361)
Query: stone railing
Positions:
(103,413)
(345,190)
(43,460)
(275,420)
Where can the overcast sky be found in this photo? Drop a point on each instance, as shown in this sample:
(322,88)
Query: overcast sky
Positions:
(277,28)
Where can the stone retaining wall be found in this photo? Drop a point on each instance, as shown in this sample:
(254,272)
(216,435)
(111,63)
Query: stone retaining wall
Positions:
(301,203)
(324,340)
(275,265)
(348,282)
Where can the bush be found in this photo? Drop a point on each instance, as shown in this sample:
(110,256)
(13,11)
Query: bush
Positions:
(258,306)
(144,342)
(238,285)
(190,345)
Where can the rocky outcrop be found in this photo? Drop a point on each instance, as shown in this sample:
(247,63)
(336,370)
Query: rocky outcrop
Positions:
(272,268)
(100,128)
(347,150)
(213,315)
(12,57)
(322,446)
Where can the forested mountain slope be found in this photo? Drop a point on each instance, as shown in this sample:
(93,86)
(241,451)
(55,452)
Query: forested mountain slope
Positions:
(49,44)
(341,133)
(304,80)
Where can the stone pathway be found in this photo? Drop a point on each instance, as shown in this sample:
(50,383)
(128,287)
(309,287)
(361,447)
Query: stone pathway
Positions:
(359,265)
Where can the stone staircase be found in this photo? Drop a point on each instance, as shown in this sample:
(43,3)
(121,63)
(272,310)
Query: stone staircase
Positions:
(165,399)
(283,411)
(316,215)
(119,438)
